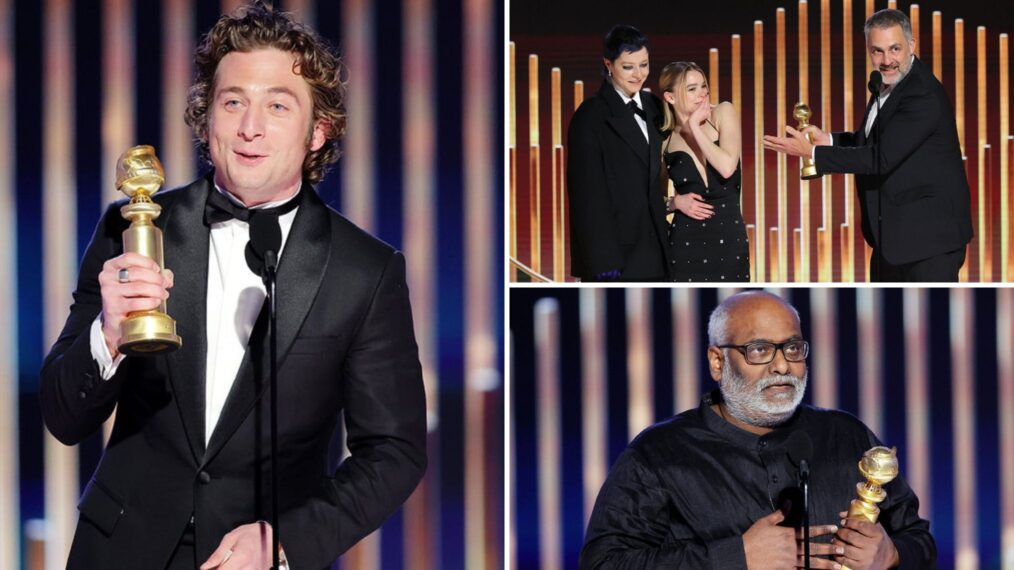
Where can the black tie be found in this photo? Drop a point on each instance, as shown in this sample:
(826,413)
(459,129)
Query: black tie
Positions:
(637,110)
(218,208)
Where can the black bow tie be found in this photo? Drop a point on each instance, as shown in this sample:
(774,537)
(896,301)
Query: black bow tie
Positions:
(632,105)
(218,208)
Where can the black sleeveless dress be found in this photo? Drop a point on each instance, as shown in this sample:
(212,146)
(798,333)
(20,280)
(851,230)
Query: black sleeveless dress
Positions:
(712,250)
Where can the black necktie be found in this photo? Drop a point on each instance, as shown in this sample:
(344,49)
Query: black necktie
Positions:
(637,110)
(218,208)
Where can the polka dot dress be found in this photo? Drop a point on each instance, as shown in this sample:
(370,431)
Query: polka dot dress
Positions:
(713,250)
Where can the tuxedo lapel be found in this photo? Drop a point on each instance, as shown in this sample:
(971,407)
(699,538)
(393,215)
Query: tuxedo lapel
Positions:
(623,122)
(300,273)
(186,254)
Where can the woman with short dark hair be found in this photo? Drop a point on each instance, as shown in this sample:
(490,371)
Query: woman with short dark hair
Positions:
(617,209)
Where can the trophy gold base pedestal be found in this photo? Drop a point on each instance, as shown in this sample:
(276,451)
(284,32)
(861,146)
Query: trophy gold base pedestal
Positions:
(861,511)
(147,333)
(808,172)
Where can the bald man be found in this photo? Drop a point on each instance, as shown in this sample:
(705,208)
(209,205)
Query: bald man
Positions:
(715,487)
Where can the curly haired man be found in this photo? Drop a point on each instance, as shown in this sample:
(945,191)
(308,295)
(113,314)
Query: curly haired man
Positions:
(184,480)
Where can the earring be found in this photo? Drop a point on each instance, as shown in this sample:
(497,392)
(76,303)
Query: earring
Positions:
(610,72)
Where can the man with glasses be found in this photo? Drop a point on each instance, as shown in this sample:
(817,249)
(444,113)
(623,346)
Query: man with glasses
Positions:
(716,486)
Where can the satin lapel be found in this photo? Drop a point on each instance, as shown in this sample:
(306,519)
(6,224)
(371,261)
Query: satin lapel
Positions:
(623,122)
(185,242)
(300,273)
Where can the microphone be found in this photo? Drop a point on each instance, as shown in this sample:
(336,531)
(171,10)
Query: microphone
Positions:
(876,82)
(799,448)
(265,241)
(262,258)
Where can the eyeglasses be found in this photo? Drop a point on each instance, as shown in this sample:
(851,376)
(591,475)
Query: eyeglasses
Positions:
(764,352)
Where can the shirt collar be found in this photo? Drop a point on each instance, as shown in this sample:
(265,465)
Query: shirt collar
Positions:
(636,98)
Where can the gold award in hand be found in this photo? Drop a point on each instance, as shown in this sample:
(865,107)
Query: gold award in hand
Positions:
(801,113)
(139,174)
(879,466)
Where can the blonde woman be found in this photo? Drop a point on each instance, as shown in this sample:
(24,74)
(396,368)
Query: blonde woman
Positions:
(707,237)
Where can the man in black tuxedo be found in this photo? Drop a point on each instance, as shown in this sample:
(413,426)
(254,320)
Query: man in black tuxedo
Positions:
(184,480)
(920,201)
(617,209)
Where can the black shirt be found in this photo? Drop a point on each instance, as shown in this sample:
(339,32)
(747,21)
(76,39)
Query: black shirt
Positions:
(686,489)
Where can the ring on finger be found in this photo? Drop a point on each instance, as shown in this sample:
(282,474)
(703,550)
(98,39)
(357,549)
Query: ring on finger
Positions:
(123,276)
(228,554)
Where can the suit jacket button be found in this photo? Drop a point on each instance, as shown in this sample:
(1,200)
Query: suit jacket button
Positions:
(82,394)
(204,477)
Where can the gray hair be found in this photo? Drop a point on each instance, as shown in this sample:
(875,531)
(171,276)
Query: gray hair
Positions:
(718,323)
(887,18)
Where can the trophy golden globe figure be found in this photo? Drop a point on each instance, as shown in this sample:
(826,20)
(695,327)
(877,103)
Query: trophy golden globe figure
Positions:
(879,466)
(801,112)
(139,174)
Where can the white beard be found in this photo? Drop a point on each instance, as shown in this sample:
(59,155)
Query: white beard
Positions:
(750,405)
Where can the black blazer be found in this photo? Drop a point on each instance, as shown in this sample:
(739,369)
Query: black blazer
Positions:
(345,341)
(617,207)
(927,208)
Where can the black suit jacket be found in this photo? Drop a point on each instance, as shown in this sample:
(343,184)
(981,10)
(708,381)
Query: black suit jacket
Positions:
(617,208)
(926,200)
(345,341)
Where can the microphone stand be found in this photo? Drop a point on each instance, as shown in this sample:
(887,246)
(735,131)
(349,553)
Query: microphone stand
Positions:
(804,483)
(878,85)
(270,274)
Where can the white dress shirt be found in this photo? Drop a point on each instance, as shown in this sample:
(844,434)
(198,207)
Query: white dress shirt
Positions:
(235,297)
(873,111)
(636,99)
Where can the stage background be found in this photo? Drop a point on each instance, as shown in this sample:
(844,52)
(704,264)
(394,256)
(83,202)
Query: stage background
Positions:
(81,81)
(568,36)
(928,370)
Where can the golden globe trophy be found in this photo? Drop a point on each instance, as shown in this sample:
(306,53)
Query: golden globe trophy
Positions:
(879,466)
(139,174)
(801,112)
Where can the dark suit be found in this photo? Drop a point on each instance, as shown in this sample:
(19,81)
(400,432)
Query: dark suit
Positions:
(345,340)
(617,209)
(925,194)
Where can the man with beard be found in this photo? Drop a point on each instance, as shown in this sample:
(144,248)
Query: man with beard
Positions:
(714,487)
(916,212)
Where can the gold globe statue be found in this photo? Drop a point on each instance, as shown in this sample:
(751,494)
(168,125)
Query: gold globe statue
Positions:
(801,112)
(879,466)
(139,174)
